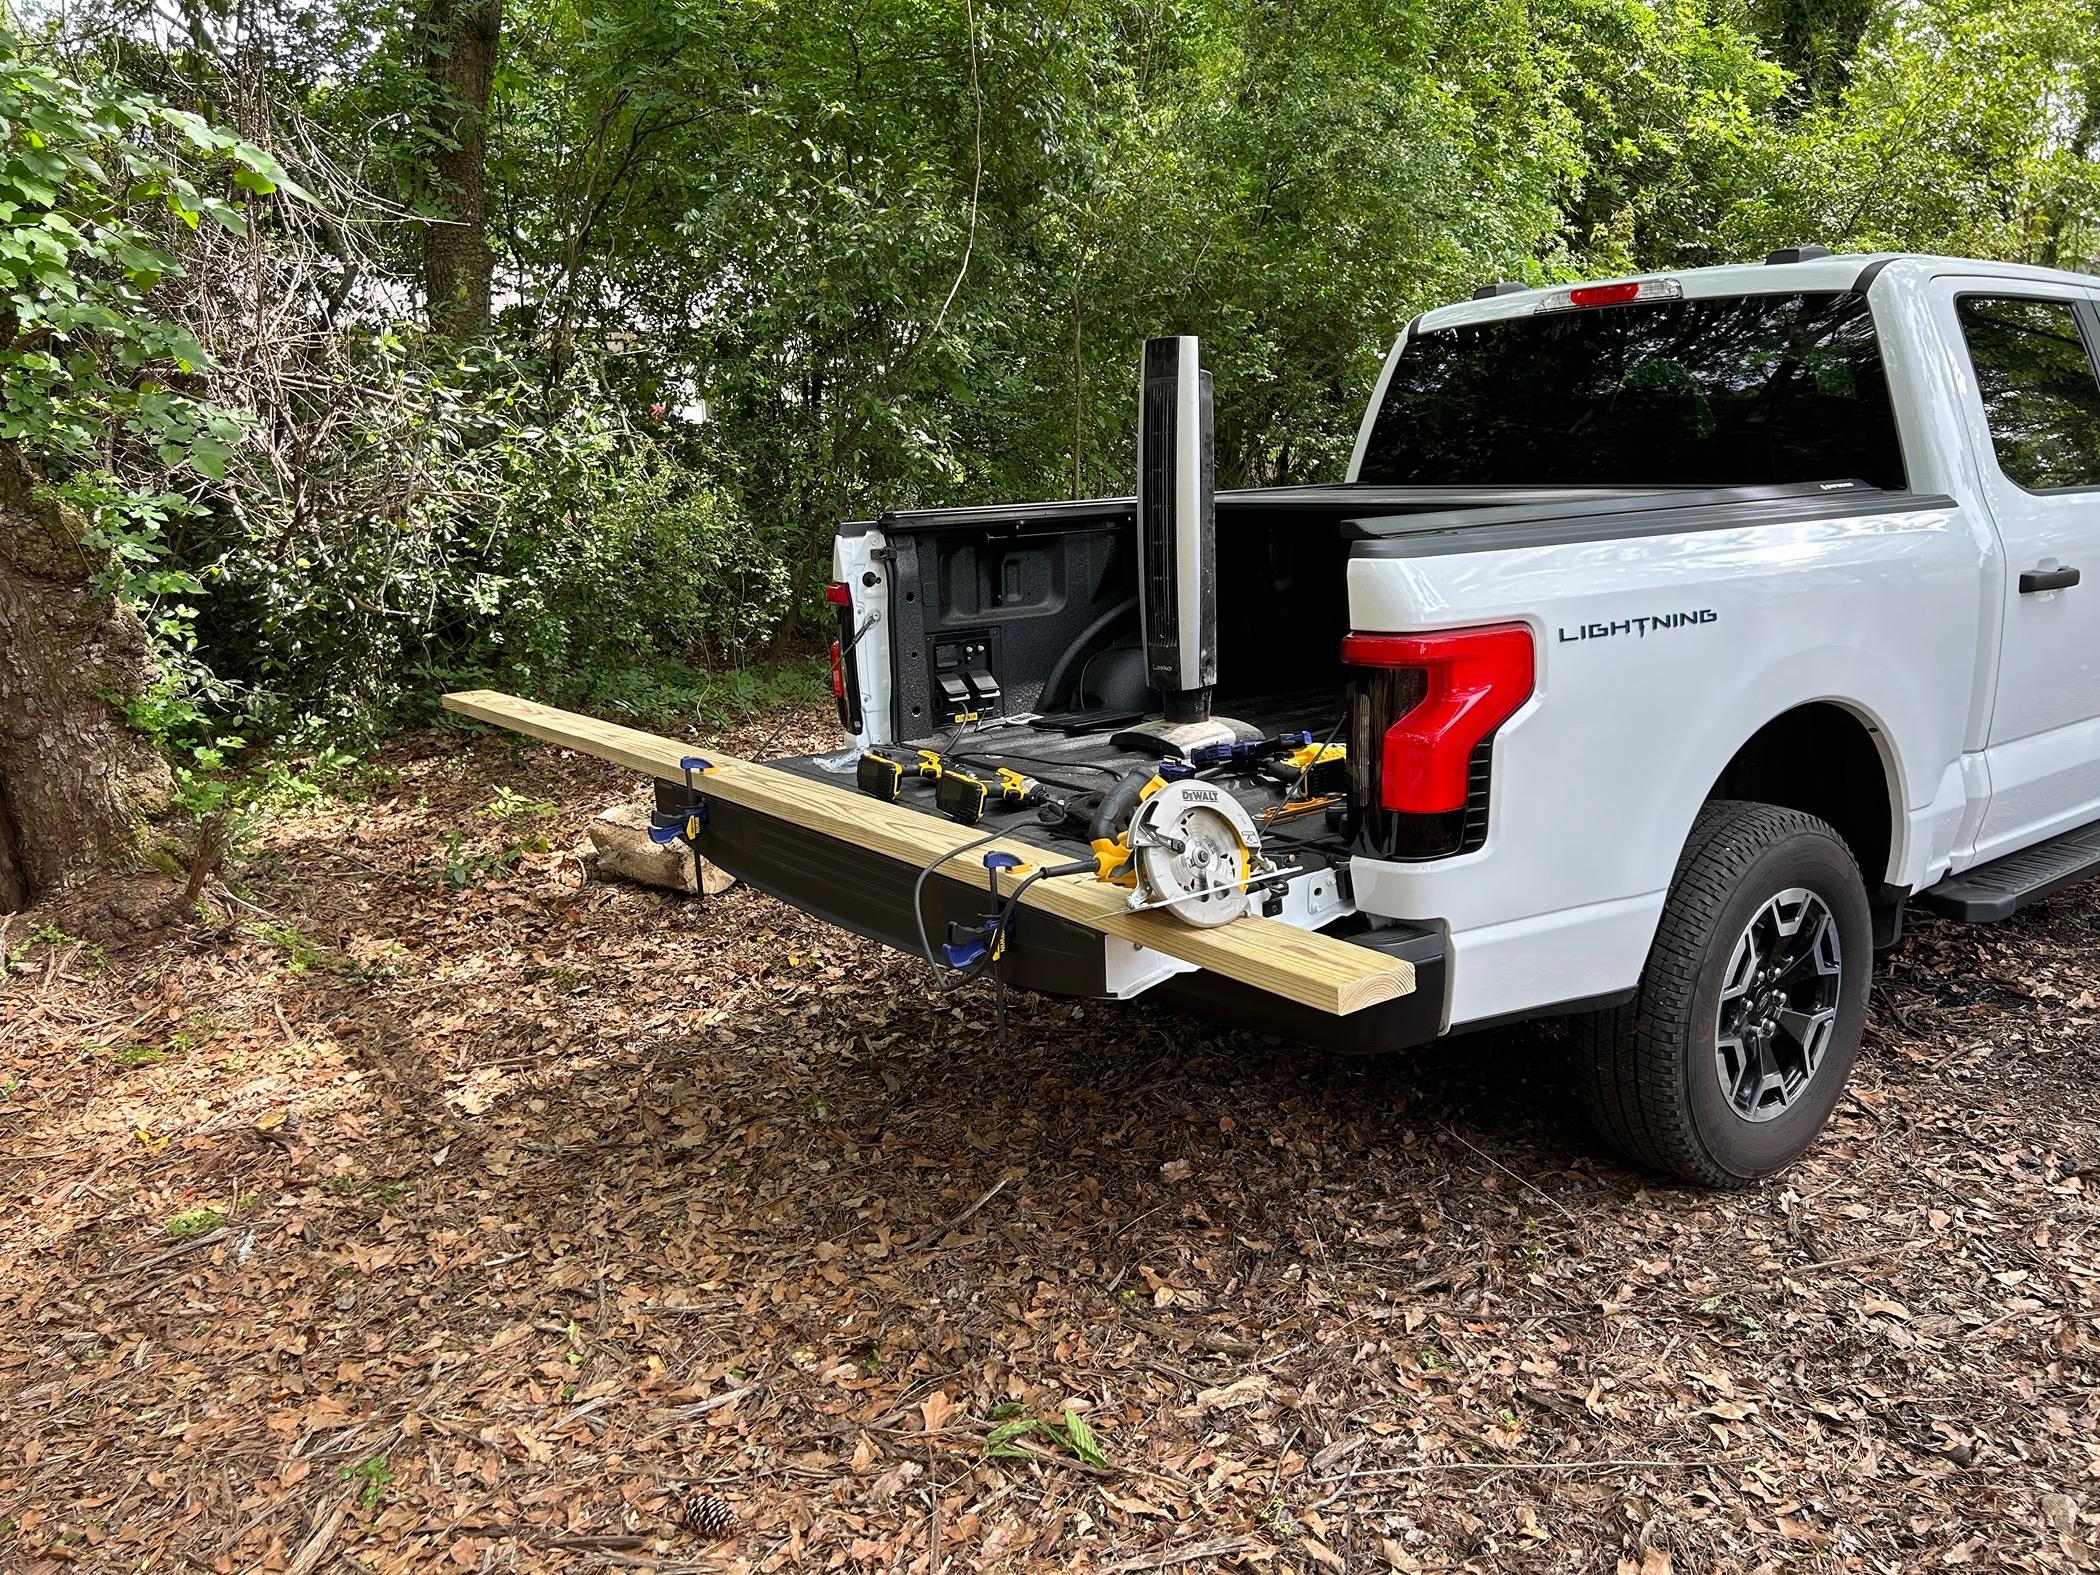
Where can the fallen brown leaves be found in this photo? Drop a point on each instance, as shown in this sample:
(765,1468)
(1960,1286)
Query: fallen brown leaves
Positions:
(403,1227)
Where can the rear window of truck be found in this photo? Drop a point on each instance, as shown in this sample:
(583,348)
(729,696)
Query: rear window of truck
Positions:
(1727,391)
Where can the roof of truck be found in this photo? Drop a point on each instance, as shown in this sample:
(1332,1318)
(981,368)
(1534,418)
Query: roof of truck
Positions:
(1841,271)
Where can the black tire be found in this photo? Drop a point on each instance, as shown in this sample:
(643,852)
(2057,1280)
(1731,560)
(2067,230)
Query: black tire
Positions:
(1654,1079)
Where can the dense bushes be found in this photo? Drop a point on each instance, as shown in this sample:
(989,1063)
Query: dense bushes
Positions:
(326,519)
(481,524)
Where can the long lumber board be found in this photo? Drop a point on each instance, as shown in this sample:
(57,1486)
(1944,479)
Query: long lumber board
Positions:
(1311,969)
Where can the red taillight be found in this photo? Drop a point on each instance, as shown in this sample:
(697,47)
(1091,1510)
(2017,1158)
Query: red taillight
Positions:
(1619,294)
(838,594)
(838,671)
(1472,681)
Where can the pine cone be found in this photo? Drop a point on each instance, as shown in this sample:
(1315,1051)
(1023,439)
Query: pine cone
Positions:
(708,1517)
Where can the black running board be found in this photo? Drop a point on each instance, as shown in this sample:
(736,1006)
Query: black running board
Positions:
(2001,888)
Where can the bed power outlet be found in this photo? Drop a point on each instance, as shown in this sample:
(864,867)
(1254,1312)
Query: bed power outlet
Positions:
(964,671)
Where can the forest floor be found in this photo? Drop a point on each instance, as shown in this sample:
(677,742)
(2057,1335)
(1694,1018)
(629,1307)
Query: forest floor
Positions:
(448,1209)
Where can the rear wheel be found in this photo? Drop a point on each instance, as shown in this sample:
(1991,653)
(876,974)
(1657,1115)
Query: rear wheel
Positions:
(1736,1047)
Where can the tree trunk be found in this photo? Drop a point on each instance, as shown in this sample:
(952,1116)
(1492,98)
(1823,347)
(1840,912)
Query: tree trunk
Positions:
(76,784)
(461,38)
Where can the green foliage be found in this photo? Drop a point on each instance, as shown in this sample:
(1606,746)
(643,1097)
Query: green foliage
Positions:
(524,824)
(41,934)
(194,1222)
(487,526)
(1073,1435)
(93,379)
(460,866)
(48,939)
(520,810)
(301,954)
(1967,127)
(764,267)
(84,362)
(668,693)
(370,1477)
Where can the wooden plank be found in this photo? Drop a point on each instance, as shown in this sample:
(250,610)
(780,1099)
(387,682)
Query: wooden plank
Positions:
(1314,970)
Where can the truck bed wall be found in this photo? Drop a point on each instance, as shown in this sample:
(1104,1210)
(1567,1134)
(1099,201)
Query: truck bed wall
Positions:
(1039,593)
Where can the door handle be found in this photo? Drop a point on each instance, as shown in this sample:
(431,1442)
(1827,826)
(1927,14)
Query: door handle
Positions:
(2033,580)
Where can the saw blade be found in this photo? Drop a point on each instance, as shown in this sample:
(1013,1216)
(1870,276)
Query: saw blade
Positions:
(1197,868)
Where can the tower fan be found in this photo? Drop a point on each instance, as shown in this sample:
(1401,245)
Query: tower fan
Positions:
(1177,520)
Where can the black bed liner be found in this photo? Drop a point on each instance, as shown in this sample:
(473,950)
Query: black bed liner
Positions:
(873,895)
(1078,763)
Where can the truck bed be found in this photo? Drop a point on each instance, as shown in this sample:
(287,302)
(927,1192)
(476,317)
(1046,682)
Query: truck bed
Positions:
(818,840)
(875,896)
(1081,759)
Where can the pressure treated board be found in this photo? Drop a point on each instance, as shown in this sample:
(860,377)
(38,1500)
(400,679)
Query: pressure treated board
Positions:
(1314,970)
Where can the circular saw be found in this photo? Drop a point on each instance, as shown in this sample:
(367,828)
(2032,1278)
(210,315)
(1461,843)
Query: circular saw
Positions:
(1195,852)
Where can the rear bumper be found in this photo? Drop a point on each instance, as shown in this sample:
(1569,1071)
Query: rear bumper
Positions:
(871,895)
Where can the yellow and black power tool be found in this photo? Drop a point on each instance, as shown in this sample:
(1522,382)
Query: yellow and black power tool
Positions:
(965,794)
(883,770)
(1183,845)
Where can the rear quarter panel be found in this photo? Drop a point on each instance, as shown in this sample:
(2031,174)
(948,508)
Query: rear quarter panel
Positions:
(1597,778)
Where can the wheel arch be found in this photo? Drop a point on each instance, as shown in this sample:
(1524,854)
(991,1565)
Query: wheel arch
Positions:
(1854,785)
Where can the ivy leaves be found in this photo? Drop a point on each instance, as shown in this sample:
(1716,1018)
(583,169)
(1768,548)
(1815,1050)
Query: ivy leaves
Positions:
(83,173)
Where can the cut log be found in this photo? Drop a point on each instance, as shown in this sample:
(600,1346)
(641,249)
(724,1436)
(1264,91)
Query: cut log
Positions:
(625,852)
(1314,970)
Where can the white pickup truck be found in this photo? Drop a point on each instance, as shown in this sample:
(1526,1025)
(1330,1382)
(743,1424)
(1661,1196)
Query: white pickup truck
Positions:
(1678,630)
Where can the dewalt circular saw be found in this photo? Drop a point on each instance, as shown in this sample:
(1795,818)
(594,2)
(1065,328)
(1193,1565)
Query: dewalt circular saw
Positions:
(1186,846)
(1196,853)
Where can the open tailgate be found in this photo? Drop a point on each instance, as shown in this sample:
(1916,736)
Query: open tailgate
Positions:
(1317,971)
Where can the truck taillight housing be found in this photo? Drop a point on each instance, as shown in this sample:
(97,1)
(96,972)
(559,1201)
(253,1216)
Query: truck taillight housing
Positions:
(845,668)
(1623,293)
(1423,710)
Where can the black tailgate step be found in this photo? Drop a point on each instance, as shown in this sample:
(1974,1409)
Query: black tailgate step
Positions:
(2003,887)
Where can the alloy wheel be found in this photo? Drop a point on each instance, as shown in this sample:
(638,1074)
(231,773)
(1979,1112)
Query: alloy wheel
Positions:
(1779,1004)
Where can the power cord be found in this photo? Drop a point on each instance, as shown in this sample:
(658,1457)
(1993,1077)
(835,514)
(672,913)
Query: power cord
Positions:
(1005,917)
(946,980)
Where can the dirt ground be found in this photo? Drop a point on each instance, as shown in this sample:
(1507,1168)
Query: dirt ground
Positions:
(449,1209)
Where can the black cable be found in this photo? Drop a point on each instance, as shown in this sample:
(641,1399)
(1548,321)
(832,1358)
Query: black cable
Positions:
(1038,760)
(1013,898)
(995,755)
(969,724)
(918,913)
(1004,917)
